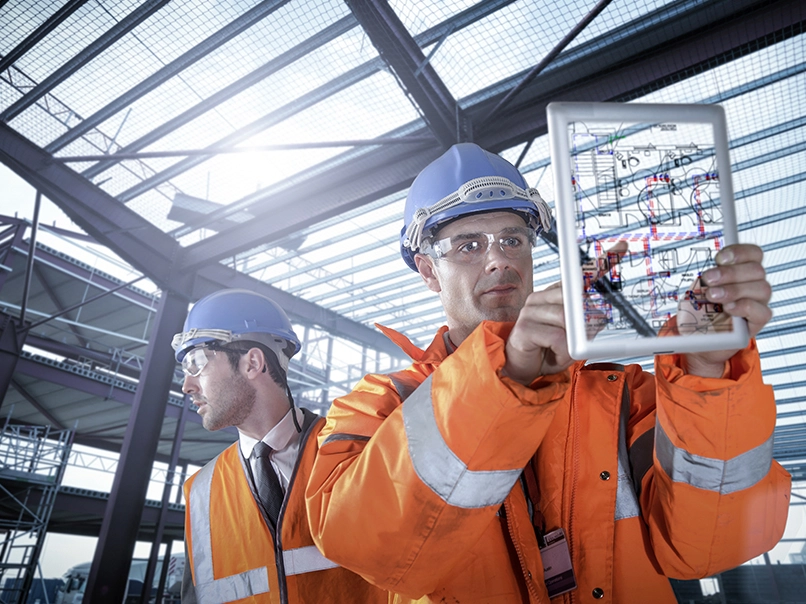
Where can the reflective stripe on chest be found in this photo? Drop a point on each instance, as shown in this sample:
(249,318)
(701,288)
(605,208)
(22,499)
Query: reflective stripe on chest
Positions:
(208,589)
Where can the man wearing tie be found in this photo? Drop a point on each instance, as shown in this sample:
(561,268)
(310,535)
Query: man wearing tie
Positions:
(246,528)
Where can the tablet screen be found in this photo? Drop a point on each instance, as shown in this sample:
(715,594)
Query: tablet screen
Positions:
(643,210)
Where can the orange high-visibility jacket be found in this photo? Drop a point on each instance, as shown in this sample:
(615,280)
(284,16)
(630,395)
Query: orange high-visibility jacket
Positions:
(426,465)
(232,550)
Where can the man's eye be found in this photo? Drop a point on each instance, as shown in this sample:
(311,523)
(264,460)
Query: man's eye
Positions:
(470,247)
(512,241)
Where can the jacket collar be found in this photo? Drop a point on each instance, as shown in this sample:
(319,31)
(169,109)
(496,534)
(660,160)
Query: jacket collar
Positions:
(436,351)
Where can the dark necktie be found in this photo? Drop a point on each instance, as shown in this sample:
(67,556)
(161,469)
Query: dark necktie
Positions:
(268,486)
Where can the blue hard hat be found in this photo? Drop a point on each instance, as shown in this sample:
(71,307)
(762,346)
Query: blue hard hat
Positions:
(230,315)
(465,180)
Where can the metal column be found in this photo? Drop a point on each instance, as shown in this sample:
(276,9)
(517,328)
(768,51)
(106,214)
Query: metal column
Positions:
(11,342)
(166,499)
(113,554)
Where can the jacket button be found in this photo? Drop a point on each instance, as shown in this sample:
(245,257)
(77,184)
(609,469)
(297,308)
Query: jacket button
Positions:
(605,475)
(612,378)
(598,593)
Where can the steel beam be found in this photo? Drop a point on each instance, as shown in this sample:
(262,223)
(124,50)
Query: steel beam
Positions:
(14,242)
(80,512)
(112,35)
(371,142)
(29,269)
(10,347)
(163,513)
(108,575)
(414,73)
(37,405)
(107,359)
(109,222)
(84,383)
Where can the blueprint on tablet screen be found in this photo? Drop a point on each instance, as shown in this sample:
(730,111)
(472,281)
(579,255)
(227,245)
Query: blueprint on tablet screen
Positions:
(655,187)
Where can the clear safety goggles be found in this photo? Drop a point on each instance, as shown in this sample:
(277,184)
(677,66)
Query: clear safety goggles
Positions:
(472,248)
(478,190)
(196,360)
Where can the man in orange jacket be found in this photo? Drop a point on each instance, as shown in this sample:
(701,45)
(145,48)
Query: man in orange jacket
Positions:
(496,469)
(246,530)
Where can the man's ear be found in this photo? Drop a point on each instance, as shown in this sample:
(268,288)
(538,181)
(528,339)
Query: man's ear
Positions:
(255,362)
(428,271)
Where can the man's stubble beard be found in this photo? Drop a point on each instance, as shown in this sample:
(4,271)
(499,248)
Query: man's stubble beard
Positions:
(232,405)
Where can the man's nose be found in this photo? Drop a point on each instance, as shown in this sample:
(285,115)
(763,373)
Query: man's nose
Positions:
(495,257)
(189,384)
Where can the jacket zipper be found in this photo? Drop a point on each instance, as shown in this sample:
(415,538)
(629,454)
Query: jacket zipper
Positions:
(527,575)
(278,541)
(574,473)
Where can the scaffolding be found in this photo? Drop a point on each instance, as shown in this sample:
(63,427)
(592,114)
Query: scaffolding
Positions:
(32,465)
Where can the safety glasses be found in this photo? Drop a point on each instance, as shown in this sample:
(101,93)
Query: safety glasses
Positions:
(196,360)
(472,248)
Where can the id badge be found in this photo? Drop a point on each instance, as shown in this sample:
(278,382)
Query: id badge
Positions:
(557,570)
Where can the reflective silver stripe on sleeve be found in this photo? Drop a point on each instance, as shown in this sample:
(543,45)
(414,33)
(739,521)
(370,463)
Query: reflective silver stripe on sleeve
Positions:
(305,560)
(736,474)
(626,498)
(439,467)
(236,587)
(208,589)
(335,437)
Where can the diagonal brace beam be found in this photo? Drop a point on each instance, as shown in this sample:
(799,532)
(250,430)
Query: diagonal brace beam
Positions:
(417,77)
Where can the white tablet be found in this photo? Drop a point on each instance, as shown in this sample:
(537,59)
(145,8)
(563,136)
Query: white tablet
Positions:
(644,201)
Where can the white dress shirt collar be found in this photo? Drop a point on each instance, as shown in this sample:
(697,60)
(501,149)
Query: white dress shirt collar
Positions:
(278,438)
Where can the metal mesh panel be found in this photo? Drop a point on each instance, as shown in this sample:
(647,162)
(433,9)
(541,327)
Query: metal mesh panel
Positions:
(422,16)
(277,91)
(146,49)
(498,40)
(21,19)
(88,23)
(248,51)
